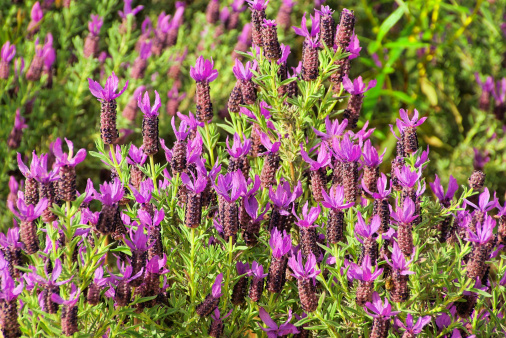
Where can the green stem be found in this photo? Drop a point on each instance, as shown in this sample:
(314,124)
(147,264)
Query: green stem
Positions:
(210,149)
(227,280)
(192,266)
(153,172)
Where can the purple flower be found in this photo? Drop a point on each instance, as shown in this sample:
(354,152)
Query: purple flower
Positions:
(191,121)
(271,147)
(488,85)
(483,231)
(312,37)
(406,214)
(136,156)
(231,186)
(280,243)
(9,290)
(301,271)
(251,206)
(145,50)
(383,192)
(371,157)
(335,199)
(437,188)
(29,173)
(480,158)
(203,70)
(239,148)
(216,288)
(242,268)
(323,160)
(398,261)
(333,129)
(257,271)
(95,24)
(345,150)
(149,221)
(241,72)
(308,216)
(146,189)
(285,51)
(245,36)
(138,240)
(12,239)
(173,94)
(273,330)
(484,203)
(364,272)
(7,52)
(194,152)
(73,297)
(422,159)
(108,93)
(182,132)
(197,185)
(354,47)
(406,177)
(19,122)
(406,122)
(357,87)
(127,9)
(380,310)
(364,230)
(156,265)
(499,91)
(413,328)
(145,105)
(283,196)
(67,159)
(258,5)
(125,269)
(238,6)
(111,193)
(36,14)
(55,274)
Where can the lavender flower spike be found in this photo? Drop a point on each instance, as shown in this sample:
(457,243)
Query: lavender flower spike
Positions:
(244,76)
(273,330)
(109,92)
(437,188)
(127,9)
(381,312)
(7,53)
(203,73)
(212,300)
(357,89)
(407,127)
(150,137)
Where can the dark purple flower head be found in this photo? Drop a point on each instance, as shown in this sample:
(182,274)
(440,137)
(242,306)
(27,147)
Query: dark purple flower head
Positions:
(145,50)
(173,94)
(216,289)
(197,184)
(146,189)
(10,291)
(108,93)
(136,156)
(488,85)
(370,154)
(36,14)
(499,91)
(311,38)
(73,297)
(266,142)
(323,160)
(138,239)
(149,221)
(383,192)
(483,231)
(345,150)
(182,132)
(95,24)
(301,270)
(231,185)
(333,129)
(273,330)
(437,189)
(241,72)
(127,9)
(357,87)
(406,177)
(257,5)
(406,214)
(145,105)
(111,193)
(364,272)
(280,243)
(7,52)
(354,47)
(335,199)
(398,261)
(203,70)
(364,230)
(283,196)
(413,122)
(381,310)
(239,148)
(413,328)
(285,51)
(257,271)
(242,268)
(309,216)
(251,206)
(67,159)
(484,203)
(156,265)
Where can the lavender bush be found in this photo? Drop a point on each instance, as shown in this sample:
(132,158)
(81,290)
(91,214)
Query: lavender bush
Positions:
(281,217)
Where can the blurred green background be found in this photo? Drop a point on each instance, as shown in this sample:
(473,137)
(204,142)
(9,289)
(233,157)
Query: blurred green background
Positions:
(424,54)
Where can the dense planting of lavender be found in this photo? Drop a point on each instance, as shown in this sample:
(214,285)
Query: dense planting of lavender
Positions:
(275,206)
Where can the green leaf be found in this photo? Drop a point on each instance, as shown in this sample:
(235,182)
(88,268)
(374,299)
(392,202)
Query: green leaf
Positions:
(123,249)
(428,89)
(389,23)
(226,127)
